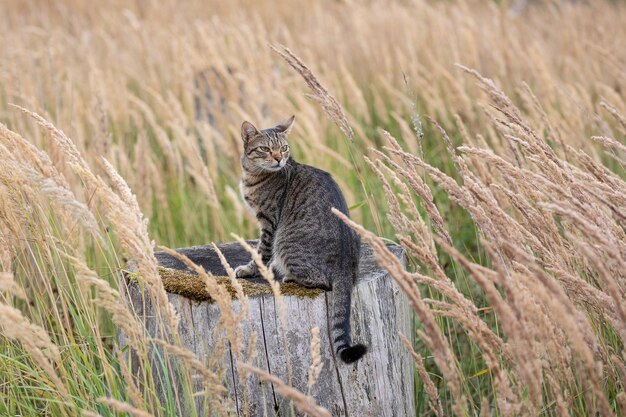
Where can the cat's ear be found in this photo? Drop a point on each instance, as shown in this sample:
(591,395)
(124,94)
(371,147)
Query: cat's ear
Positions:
(248,131)
(285,127)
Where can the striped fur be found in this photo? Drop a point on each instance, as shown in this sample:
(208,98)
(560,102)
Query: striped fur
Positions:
(301,239)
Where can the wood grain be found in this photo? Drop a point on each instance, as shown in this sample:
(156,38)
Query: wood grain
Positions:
(379,385)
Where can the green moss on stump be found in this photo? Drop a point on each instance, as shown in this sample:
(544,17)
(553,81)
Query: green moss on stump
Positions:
(191,286)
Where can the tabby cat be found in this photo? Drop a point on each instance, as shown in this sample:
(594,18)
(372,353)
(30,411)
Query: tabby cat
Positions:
(301,239)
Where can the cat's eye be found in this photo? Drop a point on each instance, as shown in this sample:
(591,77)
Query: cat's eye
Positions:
(284,148)
(264,148)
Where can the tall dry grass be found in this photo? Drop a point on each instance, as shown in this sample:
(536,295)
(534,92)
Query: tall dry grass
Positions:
(510,200)
(553,230)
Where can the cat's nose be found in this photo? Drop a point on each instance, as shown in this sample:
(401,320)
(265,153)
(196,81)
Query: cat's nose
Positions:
(278,157)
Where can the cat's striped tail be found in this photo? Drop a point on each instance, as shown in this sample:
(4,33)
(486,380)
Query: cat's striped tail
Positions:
(339,300)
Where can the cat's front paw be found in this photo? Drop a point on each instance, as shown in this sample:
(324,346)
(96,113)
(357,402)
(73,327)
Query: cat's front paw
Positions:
(245,271)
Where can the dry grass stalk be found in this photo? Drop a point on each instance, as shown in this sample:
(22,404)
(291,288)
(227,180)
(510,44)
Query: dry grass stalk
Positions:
(466,311)
(221,297)
(214,388)
(190,358)
(135,395)
(572,321)
(122,210)
(28,171)
(616,114)
(8,285)
(304,403)
(398,221)
(499,225)
(485,409)
(69,148)
(509,319)
(433,395)
(320,94)
(35,340)
(122,407)
(90,414)
(228,320)
(244,314)
(610,286)
(27,153)
(268,275)
(316,359)
(621,401)
(432,336)
(561,405)
(236,284)
(418,185)
(110,299)
(458,194)
(609,143)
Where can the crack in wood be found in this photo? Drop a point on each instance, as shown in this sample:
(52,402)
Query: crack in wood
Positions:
(232,370)
(267,358)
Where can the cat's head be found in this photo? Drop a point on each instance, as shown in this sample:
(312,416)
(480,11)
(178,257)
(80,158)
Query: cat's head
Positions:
(266,150)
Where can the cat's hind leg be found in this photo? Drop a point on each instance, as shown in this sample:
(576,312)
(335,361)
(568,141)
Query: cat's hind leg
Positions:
(277,268)
(308,276)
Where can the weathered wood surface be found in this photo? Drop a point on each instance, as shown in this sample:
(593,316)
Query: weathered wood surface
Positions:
(379,385)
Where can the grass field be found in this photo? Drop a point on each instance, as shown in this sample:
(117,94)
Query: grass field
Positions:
(490,144)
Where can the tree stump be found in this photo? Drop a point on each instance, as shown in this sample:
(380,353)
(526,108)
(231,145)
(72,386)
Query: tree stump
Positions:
(380,384)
